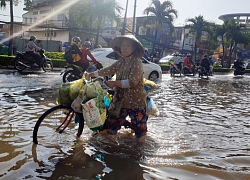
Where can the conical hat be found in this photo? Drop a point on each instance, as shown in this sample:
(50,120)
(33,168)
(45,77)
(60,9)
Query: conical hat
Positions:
(116,45)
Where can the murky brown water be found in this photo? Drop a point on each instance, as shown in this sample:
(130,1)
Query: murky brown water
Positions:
(203,132)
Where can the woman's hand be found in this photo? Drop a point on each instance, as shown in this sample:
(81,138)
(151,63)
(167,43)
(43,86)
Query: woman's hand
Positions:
(89,75)
(111,84)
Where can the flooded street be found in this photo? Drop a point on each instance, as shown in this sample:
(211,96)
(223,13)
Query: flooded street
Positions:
(203,132)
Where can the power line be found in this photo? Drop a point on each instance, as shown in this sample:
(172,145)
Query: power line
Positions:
(9,16)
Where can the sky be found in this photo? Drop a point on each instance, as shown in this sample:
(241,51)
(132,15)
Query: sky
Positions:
(209,9)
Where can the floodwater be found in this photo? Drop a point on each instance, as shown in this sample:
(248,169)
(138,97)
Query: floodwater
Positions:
(203,132)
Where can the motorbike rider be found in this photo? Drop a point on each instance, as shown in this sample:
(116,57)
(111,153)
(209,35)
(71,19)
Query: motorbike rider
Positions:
(239,66)
(86,52)
(146,56)
(211,63)
(30,49)
(187,62)
(205,63)
(76,55)
(177,61)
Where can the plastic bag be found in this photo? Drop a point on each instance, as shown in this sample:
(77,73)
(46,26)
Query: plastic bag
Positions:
(69,91)
(77,103)
(151,107)
(75,88)
(107,100)
(92,88)
(149,85)
(94,111)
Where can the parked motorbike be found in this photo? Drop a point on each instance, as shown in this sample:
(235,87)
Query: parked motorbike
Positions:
(24,61)
(72,72)
(174,69)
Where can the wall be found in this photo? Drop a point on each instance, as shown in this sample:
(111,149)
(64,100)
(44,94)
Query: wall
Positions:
(50,46)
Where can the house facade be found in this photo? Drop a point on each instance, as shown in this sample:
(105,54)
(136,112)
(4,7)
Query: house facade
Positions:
(50,20)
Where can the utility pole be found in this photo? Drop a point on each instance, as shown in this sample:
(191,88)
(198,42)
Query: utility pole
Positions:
(125,20)
(133,28)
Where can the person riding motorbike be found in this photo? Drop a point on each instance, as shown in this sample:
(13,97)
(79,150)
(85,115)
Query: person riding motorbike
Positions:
(205,64)
(211,63)
(76,55)
(239,66)
(177,61)
(30,49)
(146,55)
(86,52)
(187,62)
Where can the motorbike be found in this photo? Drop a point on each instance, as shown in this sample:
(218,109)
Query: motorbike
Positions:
(174,69)
(72,72)
(186,70)
(239,71)
(202,72)
(24,61)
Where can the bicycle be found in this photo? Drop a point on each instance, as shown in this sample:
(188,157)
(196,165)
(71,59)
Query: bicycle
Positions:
(56,123)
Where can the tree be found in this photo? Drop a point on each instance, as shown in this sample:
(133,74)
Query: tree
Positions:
(3,5)
(90,14)
(236,34)
(196,26)
(162,13)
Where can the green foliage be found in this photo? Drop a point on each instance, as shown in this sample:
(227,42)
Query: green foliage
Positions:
(90,14)
(54,55)
(163,13)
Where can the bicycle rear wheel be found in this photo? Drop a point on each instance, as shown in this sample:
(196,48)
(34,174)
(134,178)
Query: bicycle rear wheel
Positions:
(57,126)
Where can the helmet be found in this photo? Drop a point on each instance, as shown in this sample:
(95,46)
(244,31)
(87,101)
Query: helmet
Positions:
(87,43)
(205,55)
(76,39)
(32,38)
(146,49)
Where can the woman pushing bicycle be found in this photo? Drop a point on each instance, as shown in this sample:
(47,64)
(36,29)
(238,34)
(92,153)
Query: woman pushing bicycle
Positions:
(128,85)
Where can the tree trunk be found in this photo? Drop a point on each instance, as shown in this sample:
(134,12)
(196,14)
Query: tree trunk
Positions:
(11,28)
(97,33)
(153,48)
(195,47)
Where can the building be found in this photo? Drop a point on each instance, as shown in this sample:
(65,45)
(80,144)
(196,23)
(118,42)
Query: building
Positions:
(238,17)
(53,20)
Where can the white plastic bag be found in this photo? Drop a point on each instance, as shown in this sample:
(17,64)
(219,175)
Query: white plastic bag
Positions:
(151,107)
(94,111)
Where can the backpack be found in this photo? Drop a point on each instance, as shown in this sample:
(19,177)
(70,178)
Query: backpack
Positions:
(68,54)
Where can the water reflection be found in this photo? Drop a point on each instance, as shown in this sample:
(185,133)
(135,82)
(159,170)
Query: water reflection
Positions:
(202,133)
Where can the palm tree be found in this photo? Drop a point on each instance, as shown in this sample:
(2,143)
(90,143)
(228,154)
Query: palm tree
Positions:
(196,26)
(163,13)
(236,34)
(91,14)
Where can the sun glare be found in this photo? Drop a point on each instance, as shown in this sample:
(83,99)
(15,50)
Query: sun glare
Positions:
(67,5)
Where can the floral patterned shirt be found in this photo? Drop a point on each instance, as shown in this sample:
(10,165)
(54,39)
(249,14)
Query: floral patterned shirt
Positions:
(135,96)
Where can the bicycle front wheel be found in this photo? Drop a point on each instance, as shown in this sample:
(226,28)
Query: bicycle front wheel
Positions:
(57,126)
